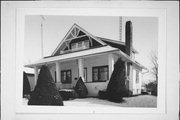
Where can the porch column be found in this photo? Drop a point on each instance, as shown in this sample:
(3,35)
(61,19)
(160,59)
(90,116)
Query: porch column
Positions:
(126,69)
(35,75)
(58,72)
(81,68)
(111,64)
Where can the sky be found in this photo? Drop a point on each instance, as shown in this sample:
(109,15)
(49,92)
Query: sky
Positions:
(145,34)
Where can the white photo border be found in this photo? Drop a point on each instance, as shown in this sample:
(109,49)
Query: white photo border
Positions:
(89,11)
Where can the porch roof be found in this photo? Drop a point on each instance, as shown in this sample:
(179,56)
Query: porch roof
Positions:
(83,54)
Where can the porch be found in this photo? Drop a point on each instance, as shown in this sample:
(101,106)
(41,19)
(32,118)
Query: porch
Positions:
(94,66)
(95,71)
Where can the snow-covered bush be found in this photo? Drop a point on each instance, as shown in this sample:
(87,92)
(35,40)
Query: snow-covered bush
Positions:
(67,94)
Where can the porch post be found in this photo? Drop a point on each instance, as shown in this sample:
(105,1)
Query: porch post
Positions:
(81,68)
(58,72)
(35,75)
(126,69)
(111,64)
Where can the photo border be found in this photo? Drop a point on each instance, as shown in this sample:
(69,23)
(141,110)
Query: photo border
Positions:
(89,11)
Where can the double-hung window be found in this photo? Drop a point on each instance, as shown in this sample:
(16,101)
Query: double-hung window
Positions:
(100,73)
(66,76)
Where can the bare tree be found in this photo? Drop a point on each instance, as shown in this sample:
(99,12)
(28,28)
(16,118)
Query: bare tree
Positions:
(154,69)
(152,86)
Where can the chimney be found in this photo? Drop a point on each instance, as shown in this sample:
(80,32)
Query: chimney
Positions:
(128,38)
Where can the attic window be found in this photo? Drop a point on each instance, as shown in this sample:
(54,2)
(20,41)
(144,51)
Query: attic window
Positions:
(80,45)
(73,46)
(86,44)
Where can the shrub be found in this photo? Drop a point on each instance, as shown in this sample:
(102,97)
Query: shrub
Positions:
(152,87)
(45,92)
(68,94)
(81,89)
(102,94)
(26,85)
(116,87)
(127,93)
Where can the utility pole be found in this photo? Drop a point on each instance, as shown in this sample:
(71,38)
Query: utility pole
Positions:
(42,46)
(120,28)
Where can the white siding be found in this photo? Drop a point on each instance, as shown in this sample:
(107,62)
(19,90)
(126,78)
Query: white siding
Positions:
(92,62)
(136,87)
(89,63)
(94,87)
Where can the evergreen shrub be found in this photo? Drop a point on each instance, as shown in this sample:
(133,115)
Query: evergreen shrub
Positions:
(116,88)
(81,89)
(45,92)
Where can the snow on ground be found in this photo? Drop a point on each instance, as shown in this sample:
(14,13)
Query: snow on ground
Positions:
(136,101)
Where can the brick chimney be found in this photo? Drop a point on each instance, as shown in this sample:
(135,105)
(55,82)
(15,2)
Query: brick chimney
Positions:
(128,38)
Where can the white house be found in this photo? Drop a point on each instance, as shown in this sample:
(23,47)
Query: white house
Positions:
(82,54)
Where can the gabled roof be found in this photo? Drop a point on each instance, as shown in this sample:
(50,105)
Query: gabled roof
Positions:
(73,33)
(118,43)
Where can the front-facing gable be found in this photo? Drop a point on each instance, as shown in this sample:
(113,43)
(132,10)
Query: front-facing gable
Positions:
(77,39)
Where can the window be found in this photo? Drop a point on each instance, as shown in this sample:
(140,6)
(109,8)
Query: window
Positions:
(55,77)
(86,44)
(80,44)
(137,76)
(85,74)
(100,73)
(73,46)
(66,76)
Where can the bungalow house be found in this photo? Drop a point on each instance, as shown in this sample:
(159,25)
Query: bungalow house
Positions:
(81,54)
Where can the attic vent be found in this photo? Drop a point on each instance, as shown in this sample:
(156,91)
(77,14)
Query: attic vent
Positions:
(81,33)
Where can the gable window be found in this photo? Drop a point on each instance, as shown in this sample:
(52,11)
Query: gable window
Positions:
(73,46)
(66,76)
(80,45)
(86,44)
(100,73)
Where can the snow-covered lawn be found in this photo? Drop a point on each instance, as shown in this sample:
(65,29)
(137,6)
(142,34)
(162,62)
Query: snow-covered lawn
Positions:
(136,101)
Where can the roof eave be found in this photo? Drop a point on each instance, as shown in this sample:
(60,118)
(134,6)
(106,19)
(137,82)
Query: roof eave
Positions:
(72,55)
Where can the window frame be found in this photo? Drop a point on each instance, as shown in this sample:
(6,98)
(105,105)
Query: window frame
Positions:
(85,74)
(98,73)
(55,79)
(66,72)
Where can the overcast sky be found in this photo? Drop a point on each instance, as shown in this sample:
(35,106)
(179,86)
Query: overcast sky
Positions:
(145,34)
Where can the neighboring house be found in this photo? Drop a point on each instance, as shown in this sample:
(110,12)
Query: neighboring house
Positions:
(81,54)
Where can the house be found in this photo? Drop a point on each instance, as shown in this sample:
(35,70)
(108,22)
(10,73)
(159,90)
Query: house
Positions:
(81,54)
